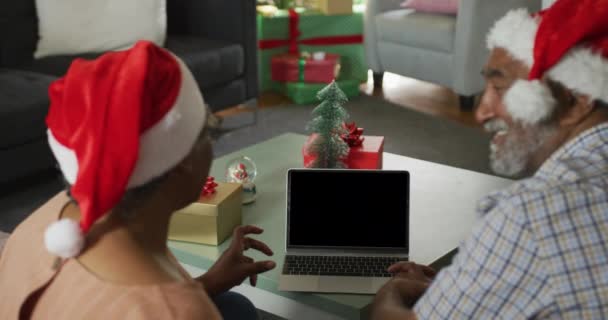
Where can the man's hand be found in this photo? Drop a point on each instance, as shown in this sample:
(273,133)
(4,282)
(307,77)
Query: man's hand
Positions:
(233,267)
(396,297)
(410,280)
(413,271)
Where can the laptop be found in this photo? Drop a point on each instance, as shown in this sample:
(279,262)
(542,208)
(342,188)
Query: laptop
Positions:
(344,229)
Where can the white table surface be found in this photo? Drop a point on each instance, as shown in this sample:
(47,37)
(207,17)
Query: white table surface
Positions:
(443,203)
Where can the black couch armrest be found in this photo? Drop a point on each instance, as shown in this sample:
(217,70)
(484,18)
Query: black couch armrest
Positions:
(226,20)
(18,32)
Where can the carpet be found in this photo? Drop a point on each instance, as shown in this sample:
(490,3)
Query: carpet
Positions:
(407,133)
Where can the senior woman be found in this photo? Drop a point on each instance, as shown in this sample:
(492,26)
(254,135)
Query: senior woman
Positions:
(128,132)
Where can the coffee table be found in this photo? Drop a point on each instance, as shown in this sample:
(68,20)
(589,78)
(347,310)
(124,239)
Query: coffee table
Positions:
(442,212)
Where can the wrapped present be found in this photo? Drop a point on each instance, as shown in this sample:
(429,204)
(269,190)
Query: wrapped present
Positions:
(316,68)
(212,218)
(334,7)
(267,10)
(365,151)
(368,155)
(285,4)
(299,30)
(306,93)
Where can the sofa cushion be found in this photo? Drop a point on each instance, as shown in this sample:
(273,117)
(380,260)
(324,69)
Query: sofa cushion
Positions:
(55,65)
(228,95)
(70,27)
(417,29)
(25,103)
(212,62)
(19,8)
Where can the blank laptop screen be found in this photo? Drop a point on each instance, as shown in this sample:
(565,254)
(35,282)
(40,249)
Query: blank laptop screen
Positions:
(348,209)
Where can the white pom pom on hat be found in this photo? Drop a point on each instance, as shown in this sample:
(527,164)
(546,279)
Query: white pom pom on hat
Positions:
(64,238)
(529,102)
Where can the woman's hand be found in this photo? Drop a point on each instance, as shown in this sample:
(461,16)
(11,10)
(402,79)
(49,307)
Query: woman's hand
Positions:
(233,267)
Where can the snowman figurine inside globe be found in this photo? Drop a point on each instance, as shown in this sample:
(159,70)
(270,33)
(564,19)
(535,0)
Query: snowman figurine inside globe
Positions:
(243,170)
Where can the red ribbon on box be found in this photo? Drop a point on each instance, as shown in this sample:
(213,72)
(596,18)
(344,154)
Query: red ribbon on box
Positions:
(294,34)
(209,187)
(353,137)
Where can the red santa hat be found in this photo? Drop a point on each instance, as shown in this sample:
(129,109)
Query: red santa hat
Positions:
(115,123)
(567,42)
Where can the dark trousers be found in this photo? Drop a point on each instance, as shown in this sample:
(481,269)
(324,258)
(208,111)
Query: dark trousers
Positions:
(234,306)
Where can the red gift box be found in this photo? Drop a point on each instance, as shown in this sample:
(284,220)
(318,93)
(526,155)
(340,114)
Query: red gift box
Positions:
(366,156)
(298,68)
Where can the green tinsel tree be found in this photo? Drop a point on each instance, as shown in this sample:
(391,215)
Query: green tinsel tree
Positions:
(328,148)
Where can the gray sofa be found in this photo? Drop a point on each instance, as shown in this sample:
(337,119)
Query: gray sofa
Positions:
(443,49)
(215,38)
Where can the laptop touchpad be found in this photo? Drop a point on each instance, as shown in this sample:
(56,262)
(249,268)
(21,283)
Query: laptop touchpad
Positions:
(345,284)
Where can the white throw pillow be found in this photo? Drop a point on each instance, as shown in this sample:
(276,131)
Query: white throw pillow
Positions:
(92,26)
(547,3)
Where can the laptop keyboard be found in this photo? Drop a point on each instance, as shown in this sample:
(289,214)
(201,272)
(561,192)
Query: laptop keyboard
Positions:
(339,266)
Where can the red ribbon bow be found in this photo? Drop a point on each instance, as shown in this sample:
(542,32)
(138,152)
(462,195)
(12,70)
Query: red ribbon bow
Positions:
(353,137)
(209,187)
(294,34)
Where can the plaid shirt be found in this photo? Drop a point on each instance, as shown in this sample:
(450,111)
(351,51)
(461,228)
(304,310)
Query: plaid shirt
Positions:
(541,249)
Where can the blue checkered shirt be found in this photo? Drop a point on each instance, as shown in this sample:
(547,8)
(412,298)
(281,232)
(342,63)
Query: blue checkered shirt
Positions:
(540,250)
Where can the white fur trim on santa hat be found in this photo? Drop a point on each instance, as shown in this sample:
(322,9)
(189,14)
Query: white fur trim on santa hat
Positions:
(64,238)
(164,145)
(583,71)
(66,158)
(167,143)
(529,102)
(515,32)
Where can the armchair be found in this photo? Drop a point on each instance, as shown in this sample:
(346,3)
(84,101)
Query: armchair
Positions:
(446,50)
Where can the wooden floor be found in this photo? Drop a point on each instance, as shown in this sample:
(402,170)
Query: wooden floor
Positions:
(405,92)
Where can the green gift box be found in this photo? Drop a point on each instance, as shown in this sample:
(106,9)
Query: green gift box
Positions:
(312,31)
(306,93)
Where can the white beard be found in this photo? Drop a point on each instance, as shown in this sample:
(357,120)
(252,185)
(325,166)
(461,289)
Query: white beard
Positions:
(513,157)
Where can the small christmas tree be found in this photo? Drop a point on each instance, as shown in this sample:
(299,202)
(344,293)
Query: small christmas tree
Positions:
(329,148)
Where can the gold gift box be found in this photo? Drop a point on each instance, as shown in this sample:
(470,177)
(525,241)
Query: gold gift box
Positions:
(331,7)
(211,219)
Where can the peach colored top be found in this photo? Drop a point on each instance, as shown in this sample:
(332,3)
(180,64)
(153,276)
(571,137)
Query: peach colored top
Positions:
(72,292)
